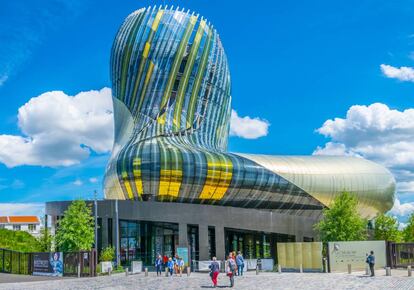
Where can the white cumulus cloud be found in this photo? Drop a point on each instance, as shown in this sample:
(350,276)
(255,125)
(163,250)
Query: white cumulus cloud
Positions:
(93,180)
(402,209)
(404,73)
(11,208)
(378,133)
(60,130)
(248,128)
(3,79)
(78,182)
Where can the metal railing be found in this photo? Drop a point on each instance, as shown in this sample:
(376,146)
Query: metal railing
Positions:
(15,262)
(74,263)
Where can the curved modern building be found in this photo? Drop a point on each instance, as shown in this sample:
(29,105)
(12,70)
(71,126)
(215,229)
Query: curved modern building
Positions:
(170,165)
(172,102)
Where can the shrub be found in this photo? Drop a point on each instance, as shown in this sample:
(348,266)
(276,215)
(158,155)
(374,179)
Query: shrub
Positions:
(107,254)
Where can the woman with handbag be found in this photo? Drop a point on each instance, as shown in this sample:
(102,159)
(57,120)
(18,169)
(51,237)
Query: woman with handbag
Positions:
(214,271)
(231,269)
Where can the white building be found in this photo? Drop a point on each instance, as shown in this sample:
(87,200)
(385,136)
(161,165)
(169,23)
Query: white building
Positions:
(30,224)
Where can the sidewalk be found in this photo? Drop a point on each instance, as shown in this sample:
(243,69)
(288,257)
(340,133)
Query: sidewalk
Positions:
(274,281)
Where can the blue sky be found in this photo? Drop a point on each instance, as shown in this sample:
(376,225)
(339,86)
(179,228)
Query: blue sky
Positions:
(294,65)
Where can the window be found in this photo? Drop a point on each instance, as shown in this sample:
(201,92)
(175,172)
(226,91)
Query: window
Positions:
(32,227)
(16,227)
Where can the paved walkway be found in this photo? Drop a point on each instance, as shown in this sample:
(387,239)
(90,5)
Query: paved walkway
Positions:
(12,278)
(284,281)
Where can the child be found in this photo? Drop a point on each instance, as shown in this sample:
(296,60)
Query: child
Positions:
(170,265)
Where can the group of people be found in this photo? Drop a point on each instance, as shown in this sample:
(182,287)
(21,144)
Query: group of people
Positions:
(175,265)
(233,267)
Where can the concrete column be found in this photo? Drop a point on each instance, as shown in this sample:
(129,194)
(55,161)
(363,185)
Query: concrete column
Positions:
(220,248)
(299,238)
(104,232)
(203,242)
(182,235)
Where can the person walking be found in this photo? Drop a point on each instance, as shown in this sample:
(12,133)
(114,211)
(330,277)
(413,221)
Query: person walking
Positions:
(170,266)
(371,263)
(180,265)
(231,269)
(158,265)
(240,263)
(175,261)
(214,271)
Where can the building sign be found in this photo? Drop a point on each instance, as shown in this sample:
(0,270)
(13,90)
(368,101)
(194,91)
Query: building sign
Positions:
(355,253)
(48,264)
(307,254)
(182,252)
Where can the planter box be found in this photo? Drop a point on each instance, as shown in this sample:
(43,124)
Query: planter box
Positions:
(106,266)
(136,267)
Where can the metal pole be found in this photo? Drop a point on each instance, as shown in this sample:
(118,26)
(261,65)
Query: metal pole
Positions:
(96,220)
(117,232)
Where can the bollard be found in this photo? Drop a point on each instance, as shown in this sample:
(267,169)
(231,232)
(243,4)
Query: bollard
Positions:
(257,270)
(349,269)
(166,271)
(146,272)
(188,271)
(409,271)
(109,271)
(325,265)
(300,268)
(367,270)
(79,272)
(126,271)
(279,268)
(387,271)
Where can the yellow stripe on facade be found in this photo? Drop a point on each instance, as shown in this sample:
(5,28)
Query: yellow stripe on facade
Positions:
(165,177)
(146,49)
(170,182)
(145,54)
(218,179)
(128,188)
(225,179)
(138,176)
(157,20)
(149,73)
(171,173)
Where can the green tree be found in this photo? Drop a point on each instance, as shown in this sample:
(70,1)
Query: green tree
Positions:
(341,222)
(75,230)
(18,241)
(45,240)
(408,232)
(386,228)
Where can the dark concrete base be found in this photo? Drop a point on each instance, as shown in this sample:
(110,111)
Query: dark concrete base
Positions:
(220,217)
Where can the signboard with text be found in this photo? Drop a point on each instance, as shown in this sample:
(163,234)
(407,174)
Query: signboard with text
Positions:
(182,252)
(355,253)
(48,264)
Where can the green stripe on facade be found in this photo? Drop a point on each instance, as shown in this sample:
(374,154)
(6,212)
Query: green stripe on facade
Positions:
(176,65)
(182,88)
(196,87)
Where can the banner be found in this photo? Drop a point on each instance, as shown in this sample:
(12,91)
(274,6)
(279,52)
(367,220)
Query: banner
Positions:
(182,252)
(355,253)
(307,254)
(48,264)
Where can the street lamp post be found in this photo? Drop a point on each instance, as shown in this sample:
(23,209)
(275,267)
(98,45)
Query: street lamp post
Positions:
(96,219)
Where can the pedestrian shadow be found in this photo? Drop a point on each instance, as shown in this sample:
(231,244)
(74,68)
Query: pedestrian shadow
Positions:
(364,276)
